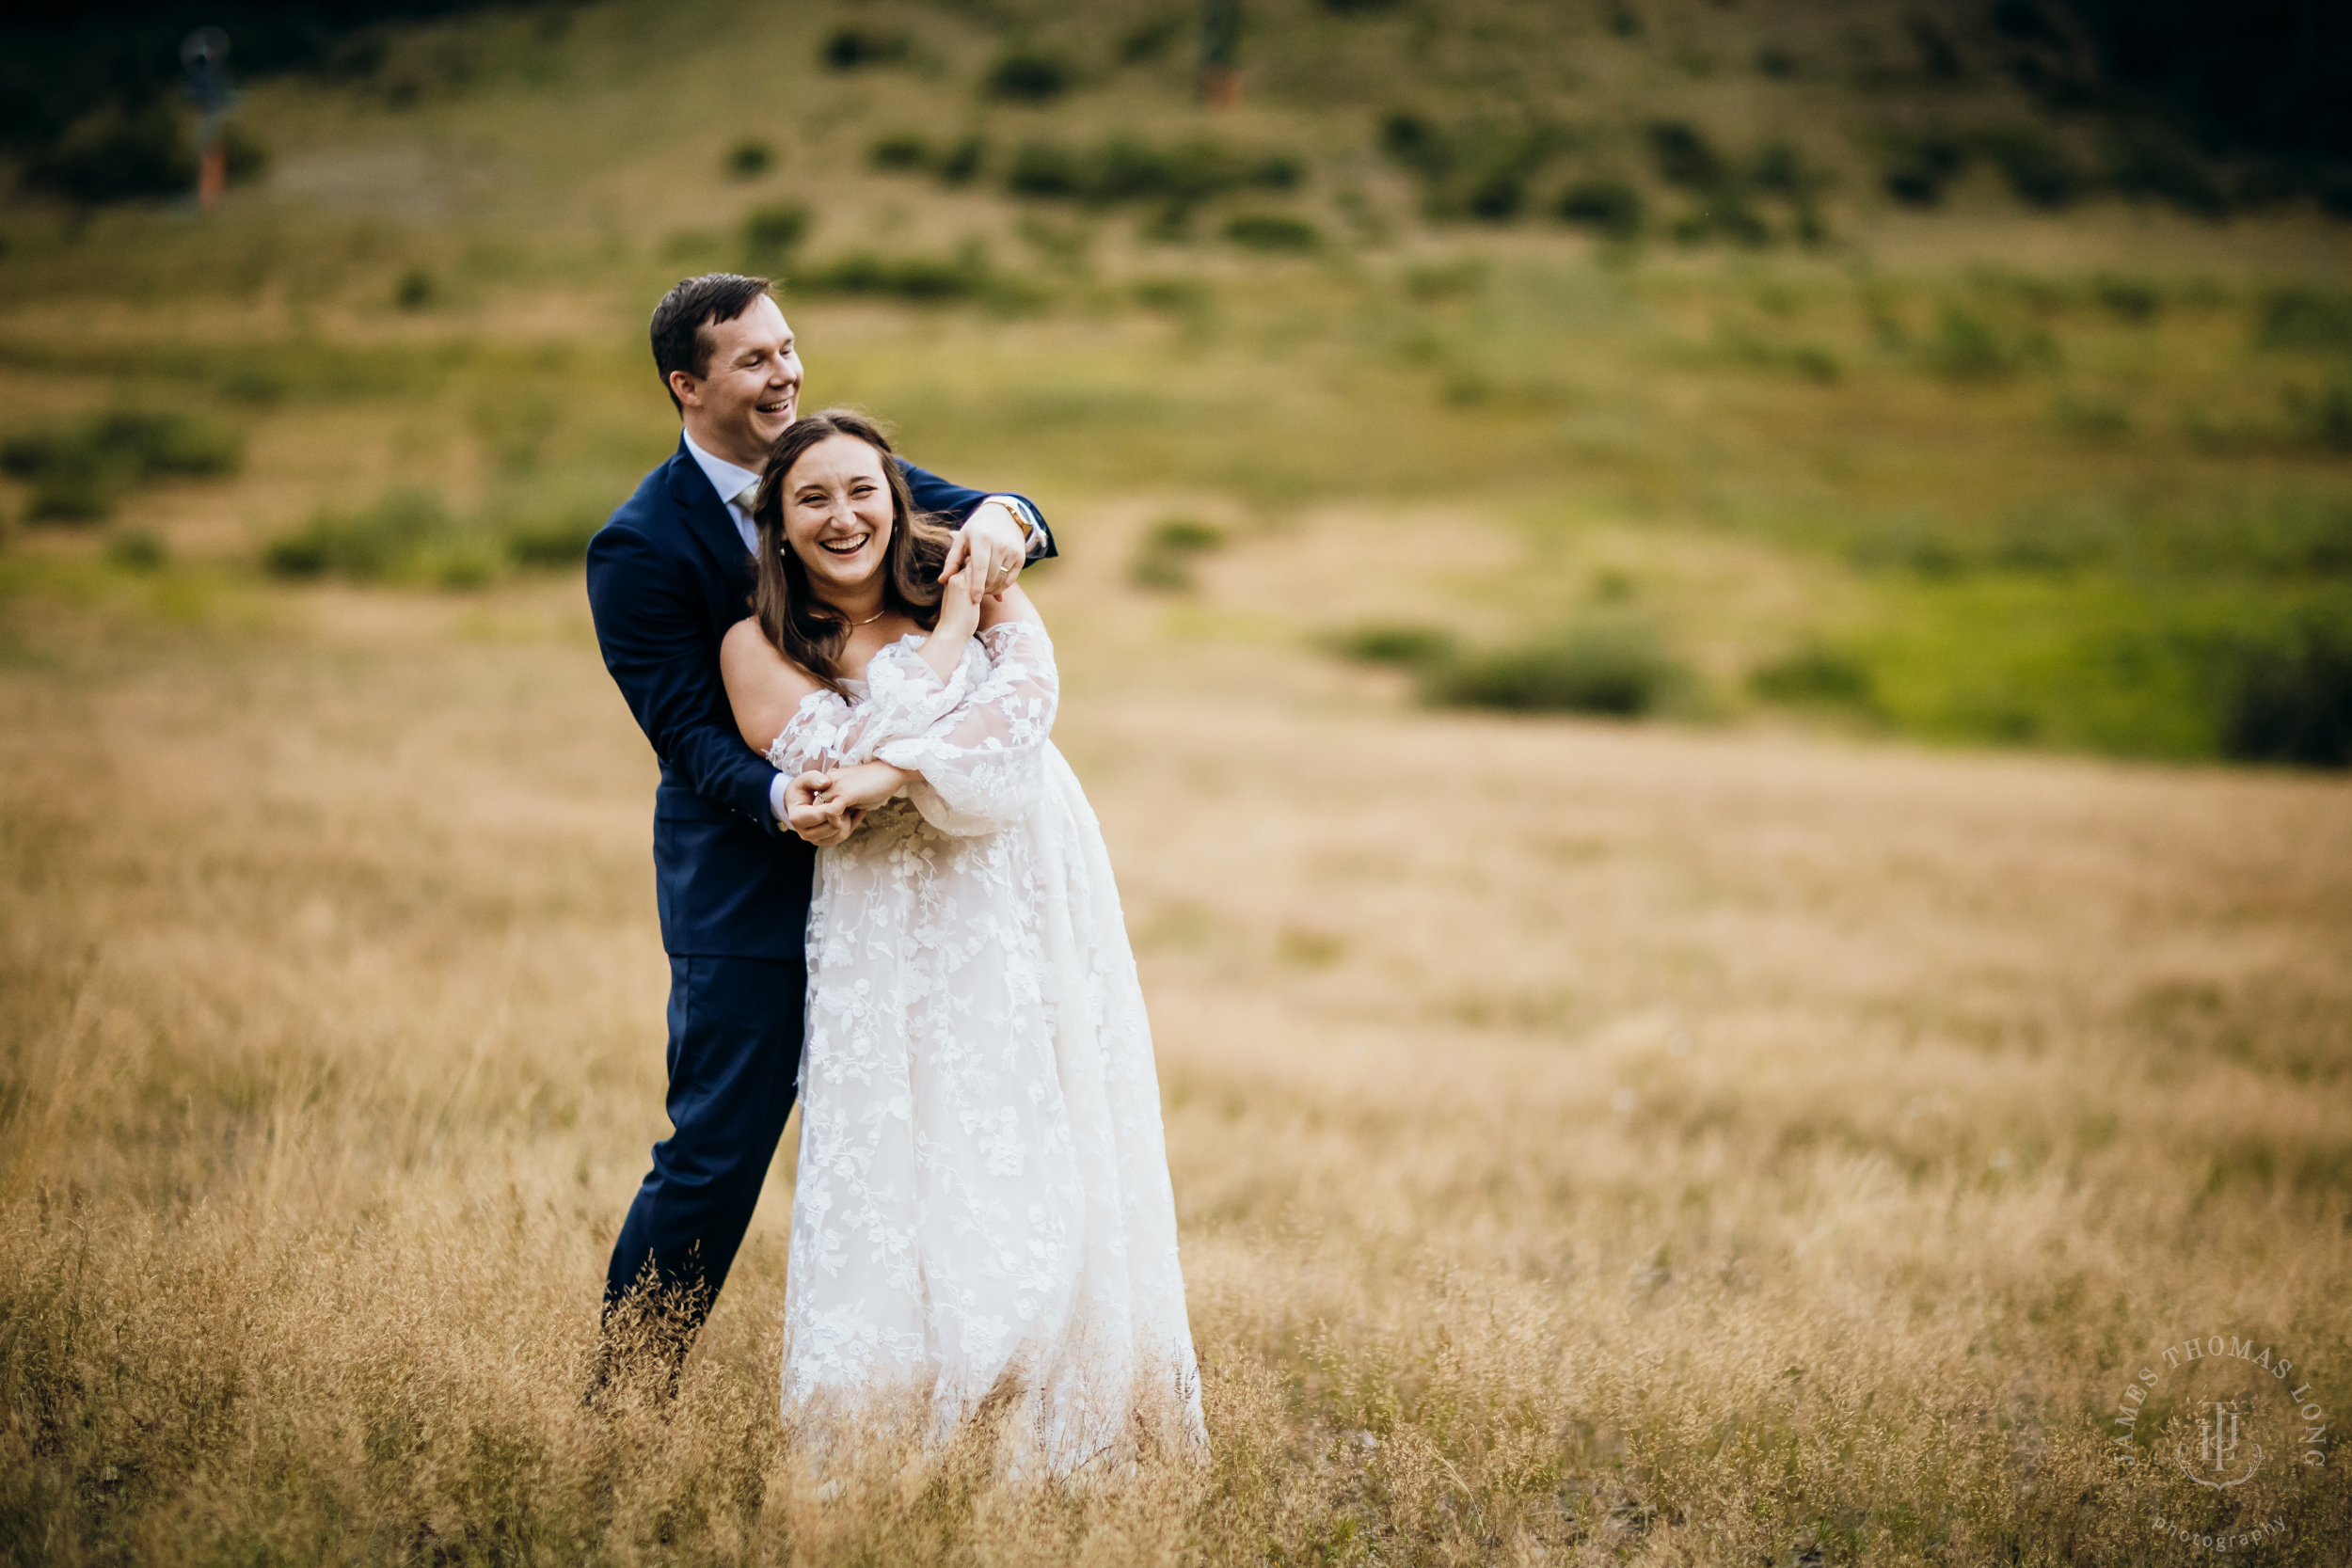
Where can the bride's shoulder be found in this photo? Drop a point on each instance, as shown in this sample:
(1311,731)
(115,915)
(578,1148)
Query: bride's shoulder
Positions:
(746,651)
(1012,608)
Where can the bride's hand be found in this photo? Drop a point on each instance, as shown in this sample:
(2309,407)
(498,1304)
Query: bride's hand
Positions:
(959,618)
(859,789)
(958,605)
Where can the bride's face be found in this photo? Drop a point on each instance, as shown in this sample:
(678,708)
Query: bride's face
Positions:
(837,514)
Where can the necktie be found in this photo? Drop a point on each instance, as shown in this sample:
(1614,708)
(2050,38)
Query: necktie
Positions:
(749,494)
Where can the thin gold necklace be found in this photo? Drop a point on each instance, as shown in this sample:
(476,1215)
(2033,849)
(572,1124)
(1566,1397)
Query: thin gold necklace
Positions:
(872,619)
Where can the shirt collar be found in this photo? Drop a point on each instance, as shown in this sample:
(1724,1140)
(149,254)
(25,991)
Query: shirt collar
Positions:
(724,477)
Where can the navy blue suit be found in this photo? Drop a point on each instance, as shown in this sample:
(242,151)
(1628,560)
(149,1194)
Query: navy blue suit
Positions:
(667,575)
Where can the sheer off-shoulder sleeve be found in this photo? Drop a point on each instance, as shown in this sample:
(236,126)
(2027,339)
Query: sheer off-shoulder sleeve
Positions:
(979,764)
(904,697)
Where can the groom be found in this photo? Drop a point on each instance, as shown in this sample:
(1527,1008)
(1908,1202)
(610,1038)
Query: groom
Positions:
(667,575)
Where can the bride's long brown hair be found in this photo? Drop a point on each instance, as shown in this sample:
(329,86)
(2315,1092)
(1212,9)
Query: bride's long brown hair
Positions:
(806,629)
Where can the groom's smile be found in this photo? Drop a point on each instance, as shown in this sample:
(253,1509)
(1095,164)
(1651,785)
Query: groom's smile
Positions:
(748,391)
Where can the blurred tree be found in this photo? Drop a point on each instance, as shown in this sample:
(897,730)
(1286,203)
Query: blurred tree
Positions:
(2265,76)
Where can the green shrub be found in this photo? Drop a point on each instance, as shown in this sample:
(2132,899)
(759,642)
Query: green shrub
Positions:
(2306,318)
(2040,171)
(1177,296)
(1913,544)
(1497,195)
(79,471)
(2128,299)
(1044,168)
(397,538)
(1967,348)
(1165,558)
(1481,170)
(410,538)
(1915,169)
(2290,700)
(1148,40)
(772,232)
(1025,74)
(1815,673)
(960,164)
(137,550)
(79,486)
(1608,206)
(1415,141)
(553,540)
(1407,646)
(25,456)
(1616,664)
(2096,419)
(1809,361)
(1781,169)
(1685,157)
(170,444)
(2324,418)
(416,290)
(853,48)
(1122,170)
(1454,279)
(138,445)
(1727,215)
(920,280)
(750,158)
(902,152)
(252,382)
(1273,231)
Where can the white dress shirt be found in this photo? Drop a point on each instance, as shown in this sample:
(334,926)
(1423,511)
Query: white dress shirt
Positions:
(737,486)
(730,482)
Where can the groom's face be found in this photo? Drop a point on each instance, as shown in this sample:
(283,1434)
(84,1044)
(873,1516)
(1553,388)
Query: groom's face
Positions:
(750,388)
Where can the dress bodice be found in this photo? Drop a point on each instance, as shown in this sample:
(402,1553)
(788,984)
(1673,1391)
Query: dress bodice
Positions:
(976,739)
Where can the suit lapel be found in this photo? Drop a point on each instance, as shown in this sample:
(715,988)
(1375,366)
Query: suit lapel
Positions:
(706,521)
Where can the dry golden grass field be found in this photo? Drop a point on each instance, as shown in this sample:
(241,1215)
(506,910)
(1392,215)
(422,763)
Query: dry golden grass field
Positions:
(1762,1133)
(1591,1144)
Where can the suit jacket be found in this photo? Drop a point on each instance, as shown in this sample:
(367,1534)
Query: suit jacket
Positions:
(667,575)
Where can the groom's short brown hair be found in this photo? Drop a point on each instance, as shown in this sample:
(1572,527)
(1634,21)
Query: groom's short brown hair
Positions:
(679,342)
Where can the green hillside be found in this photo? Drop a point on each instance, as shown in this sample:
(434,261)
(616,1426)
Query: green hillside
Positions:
(1717,360)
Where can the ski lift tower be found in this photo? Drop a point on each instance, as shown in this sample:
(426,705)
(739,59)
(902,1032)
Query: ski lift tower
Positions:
(205,58)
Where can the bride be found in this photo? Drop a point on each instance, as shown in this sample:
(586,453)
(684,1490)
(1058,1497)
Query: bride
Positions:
(983,1216)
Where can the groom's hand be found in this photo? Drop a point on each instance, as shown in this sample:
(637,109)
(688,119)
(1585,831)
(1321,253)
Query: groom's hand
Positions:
(809,813)
(992,540)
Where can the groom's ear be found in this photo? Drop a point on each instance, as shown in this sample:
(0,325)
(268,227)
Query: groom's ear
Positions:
(687,387)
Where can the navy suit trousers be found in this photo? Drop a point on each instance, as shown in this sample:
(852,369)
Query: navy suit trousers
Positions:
(735,1060)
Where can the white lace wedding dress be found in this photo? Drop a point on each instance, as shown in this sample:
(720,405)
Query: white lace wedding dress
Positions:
(983,1201)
